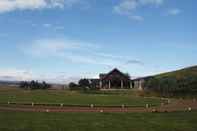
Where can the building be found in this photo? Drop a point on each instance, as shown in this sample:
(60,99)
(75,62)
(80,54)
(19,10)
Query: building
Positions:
(116,79)
(138,83)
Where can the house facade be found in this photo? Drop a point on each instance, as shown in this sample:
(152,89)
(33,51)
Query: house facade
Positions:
(116,79)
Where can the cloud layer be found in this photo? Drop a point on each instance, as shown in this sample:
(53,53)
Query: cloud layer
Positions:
(127,7)
(27,75)
(174,11)
(15,74)
(68,51)
(76,52)
(124,7)
(11,5)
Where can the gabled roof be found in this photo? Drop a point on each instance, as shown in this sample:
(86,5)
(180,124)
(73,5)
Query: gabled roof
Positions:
(104,76)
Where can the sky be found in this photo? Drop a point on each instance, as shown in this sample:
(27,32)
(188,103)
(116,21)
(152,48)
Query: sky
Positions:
(64,40)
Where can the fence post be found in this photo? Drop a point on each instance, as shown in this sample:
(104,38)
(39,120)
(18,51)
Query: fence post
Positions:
(189,109)
(147,105)
(101,111)
(169,101)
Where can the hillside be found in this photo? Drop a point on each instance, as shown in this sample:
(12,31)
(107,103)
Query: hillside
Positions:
(184,80)
(180,74)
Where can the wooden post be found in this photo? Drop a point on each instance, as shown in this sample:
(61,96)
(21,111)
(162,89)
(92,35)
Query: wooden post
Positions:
(122,84)
(147,105)
(131,86)
(109,84)
(101,84)
(140,85)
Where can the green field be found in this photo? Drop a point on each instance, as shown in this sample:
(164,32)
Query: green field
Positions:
(177,121)
(75,98)
(34,121)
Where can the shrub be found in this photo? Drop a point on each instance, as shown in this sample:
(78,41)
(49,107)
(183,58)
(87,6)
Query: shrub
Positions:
(73,86)
(34,85)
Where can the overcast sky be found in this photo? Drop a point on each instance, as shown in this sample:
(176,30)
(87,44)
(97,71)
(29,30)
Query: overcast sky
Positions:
(59,40)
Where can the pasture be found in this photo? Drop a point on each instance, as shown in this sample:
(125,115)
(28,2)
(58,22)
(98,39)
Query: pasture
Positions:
(100,98)
(25,121)
(51,121)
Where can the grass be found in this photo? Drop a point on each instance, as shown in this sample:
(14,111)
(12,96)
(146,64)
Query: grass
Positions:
(19,121)
(75,98)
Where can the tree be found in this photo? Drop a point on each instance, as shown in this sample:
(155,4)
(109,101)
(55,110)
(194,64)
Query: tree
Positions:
(84,84)
(73,86)
(34,85)
(24,85)
(93,85)
(44,85)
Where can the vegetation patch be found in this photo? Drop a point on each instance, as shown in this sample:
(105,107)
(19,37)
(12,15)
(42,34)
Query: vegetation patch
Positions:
(178,83)
(24,121)
(75,98)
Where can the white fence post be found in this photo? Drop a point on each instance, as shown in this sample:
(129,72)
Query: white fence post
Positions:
(147,105)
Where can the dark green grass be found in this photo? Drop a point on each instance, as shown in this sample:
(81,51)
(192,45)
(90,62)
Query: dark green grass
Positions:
(177,121)
(75,98)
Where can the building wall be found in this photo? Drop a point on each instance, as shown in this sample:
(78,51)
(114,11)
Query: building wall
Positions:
(138,84)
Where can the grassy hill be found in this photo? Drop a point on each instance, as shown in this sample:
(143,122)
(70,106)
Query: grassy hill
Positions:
(180,81)
(180,74)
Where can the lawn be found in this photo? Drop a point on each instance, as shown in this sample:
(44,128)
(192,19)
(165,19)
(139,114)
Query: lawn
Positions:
(75,98)
(19,121)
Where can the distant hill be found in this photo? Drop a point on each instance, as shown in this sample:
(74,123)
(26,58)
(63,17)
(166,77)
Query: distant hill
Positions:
(184,80)
(4,83)
(180,74)
(7,83)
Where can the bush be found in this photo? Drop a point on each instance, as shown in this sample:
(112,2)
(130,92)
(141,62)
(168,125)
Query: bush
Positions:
(34,85)
(172,85)
(73,86)
(84,83)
